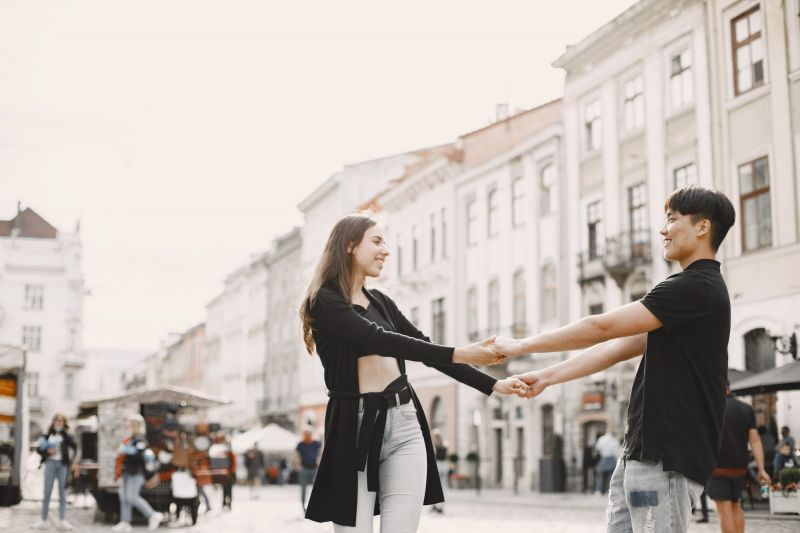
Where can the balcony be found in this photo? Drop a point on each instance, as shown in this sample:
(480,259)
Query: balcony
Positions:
(590,266)
(36,404)
(71,359)
(625,252)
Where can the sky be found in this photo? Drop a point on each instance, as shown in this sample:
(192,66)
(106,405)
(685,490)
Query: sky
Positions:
(183,134)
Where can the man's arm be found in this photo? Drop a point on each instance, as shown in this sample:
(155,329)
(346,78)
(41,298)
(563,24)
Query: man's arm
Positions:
(626,321)
(758,454)
(588,362)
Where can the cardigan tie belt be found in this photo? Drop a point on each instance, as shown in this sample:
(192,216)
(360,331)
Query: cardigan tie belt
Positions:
(373,424)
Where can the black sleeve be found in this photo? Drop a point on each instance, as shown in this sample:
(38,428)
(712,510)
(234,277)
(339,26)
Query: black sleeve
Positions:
(677,300)
(460,372)
(71,441)
(333,314)
(751,419)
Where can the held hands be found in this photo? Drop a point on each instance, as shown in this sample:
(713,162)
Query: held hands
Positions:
(535,384)
(479,353)
(507,346)
(511,385)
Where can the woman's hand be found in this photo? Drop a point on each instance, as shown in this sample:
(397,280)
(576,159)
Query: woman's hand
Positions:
(511,385)
(535,383)
(507,346)
(479,353)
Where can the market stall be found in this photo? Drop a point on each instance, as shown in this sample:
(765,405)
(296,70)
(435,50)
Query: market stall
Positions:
(13,423)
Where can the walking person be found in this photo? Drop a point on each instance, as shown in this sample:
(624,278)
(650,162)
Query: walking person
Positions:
(677,404)
(130,470)
(440,454)
(254,464)
(607,448)
(378,457)
(308,451)
(57,449)
(728,478)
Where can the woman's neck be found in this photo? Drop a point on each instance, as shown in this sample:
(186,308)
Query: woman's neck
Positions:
(358,285)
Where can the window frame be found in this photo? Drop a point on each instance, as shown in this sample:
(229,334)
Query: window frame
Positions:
(735,46)
(438,320)
(472,221)
(594,223)
(684,166)
(492,212)
(684,71)
(518,305)
(755,193)
(633,103)
(590,126)
(546,191)
(493,306)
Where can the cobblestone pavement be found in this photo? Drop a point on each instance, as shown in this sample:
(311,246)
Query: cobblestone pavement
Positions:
(277,509)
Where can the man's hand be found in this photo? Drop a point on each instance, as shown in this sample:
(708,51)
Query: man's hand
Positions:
(763,477)
(535,382)
(479,353)
(511,385)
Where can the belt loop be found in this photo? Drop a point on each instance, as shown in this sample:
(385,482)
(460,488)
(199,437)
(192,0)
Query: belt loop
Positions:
(397,397)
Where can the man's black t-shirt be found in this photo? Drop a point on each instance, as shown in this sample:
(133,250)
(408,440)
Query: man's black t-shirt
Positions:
(739,420)
(678,397)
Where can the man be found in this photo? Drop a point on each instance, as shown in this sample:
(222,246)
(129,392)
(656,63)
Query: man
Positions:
(678,398)
(308,451)
(254,463)
(727,479)
(787,439)
(607,448)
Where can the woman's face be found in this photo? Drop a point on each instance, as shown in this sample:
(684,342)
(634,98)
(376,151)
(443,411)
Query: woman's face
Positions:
(370,254)
(58,422)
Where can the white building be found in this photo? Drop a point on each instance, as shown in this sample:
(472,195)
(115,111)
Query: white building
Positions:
(755,50)
(236,344)
(41,308)
(280,403)
(102,376)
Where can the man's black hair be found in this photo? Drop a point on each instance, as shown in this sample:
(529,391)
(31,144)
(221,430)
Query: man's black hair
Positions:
(699,203)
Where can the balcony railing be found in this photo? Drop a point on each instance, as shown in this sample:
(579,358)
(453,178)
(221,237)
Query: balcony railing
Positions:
(73,359)
(625,252)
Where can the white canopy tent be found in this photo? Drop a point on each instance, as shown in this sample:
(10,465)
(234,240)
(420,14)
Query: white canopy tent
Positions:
(270,439)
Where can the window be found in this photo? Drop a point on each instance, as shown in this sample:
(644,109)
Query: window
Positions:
(547,190)
(433,237)
(755,204)
(33,384)
(32,338)
(548,426)
(415,316)
(494,307)
(34,297)
(472,222)
(69,385)
(549,293)
(748,51)
(633,106)
(685,175)
(593,224)
(399,256)
(519,327)
(472,314)
(592,124)
(517,194)
(444,233)
(414,248)
(493,210)
(681,90)
(637,212)
(437,321)
(596,309)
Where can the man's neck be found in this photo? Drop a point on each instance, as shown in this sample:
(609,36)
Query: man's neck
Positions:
(696,256)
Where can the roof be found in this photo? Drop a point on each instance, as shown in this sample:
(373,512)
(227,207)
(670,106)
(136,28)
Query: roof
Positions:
(786,377)
(29,224)
(166,393)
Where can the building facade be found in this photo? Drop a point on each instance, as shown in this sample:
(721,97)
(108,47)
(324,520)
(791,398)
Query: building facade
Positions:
(42,291)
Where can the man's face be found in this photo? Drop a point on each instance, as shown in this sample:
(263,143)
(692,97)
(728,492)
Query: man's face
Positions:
(681,235)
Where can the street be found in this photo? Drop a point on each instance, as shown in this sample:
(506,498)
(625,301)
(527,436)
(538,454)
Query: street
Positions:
(277,509)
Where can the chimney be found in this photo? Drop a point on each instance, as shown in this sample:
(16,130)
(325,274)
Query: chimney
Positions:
(501,111)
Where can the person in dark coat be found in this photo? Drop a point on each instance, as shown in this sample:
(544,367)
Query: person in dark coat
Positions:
(376,434)
(57,449)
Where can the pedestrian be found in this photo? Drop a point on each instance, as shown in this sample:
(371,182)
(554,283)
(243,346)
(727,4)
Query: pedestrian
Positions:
(784,459)
(440,454)
(222,462)
(770,446)
(607,448)
(308,451)
(386,466)
(728,478)
(787,439)
(57,449)
(130,469)
(254,464)
(677,403)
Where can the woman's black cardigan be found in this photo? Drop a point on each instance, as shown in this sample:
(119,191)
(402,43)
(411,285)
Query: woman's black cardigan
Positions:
(342,335)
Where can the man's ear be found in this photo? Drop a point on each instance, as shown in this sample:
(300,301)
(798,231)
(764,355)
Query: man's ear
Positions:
(703,227)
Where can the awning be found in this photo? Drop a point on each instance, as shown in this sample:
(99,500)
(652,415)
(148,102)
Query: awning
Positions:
(165,394)
(786,377)
(270,439)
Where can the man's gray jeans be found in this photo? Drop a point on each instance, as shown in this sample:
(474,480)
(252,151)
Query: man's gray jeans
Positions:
(403,473)
(55,470)
(643,498)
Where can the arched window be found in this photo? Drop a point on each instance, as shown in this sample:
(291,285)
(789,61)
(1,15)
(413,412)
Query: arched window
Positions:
(547,430)
(438,419)
(759,350)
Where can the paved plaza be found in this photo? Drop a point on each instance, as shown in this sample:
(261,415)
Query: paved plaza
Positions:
(277,509)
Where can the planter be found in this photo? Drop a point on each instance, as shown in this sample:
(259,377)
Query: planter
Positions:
(552,475)
(784,502)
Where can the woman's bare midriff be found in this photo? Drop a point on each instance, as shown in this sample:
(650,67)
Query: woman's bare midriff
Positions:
(375,372)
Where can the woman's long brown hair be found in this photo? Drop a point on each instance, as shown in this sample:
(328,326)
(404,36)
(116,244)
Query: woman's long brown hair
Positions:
(335,267)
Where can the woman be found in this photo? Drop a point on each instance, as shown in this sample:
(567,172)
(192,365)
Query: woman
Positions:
(376,436)
(130,466)
(57,449)
(440,453)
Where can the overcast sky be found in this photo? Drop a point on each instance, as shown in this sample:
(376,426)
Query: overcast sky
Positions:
(183,134)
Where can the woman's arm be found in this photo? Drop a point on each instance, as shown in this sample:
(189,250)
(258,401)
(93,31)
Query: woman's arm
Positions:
(332,313)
